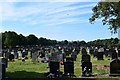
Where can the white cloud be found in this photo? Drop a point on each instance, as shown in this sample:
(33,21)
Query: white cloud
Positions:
(62,22)
(38,13)
(71,8)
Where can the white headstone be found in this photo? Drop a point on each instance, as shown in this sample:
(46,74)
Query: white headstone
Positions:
(35,57)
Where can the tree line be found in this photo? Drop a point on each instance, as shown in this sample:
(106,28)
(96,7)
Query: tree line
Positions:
(11,39)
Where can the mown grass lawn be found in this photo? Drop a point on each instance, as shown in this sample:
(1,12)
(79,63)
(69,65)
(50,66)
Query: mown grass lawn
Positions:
(28,69)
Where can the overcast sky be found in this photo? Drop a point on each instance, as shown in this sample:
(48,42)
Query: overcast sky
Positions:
(68,20)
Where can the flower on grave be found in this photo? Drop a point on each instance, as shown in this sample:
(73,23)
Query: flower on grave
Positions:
(106,65)
(61,62)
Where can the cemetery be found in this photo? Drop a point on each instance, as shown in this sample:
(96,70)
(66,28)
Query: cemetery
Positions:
(72,52)
(59,62)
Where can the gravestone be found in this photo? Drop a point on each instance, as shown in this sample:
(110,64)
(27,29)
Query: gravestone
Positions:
(100,56)
(35,57)
(115,67)
(114,54)
(2,70)
(85,58)
(69,66)
(83,51)
(86,68)
(95,52)
(91,51)
(86,65)
(74,57)
(19,53)
(118,52)
(4,61)
(11,57)
(16,55)
(23,54)
(54,67)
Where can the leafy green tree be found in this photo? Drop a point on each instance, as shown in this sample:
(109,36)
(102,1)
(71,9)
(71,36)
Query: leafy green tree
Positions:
(11,39)
(109,12)
(32,40)
(22,40)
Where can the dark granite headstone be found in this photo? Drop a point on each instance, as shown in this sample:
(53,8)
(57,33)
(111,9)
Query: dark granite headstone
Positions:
(100,56)
(115,67)
(114,54)
(85,58)
(2,71)
(54,67)
(69,68)
(86,68)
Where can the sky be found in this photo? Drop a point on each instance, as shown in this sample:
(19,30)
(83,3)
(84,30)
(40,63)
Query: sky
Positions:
(57,20)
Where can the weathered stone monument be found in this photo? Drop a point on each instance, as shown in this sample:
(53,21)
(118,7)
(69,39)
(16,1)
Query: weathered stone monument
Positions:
(35,56)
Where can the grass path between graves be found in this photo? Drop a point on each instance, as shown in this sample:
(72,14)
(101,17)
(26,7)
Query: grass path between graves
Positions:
(28,69)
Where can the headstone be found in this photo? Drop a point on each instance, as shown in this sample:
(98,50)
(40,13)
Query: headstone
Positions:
(115,67)
(114,54)
(85,58)
(11,57)
(83,51)
(74,57)
(54,67)
(69,68)
(4,61)
(95,52)
(23,54)
(91,51)
(35,57)
(86,68)
(16,55)
(100,56)
(118,52)
(2,70)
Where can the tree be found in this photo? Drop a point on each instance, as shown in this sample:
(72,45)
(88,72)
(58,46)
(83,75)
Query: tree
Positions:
(32,40)
(109,12)
(11,39)
(22,40)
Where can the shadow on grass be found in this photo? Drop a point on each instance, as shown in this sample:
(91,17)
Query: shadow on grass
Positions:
(19,75)
(24,75)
